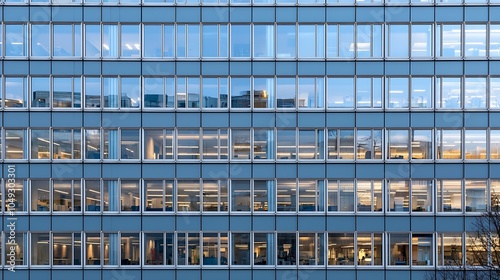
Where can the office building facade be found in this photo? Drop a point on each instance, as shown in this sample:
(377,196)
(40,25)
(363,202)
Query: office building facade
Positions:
(246,140)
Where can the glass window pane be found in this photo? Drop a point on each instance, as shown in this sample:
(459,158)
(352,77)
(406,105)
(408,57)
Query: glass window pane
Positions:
(421,144)
(475,144)
(67,144)
(494,40)
(346,41)
(40,196)
(130,249)
(188,196)
(263,144)
(311,144)
(210,248)
(494,91)
(340,92)
(475,93)
(64,42)
(346,144)
(286,192)
(368,92)
(369,248)
(421,40)
(152,46)
(263,93)
(422,249)
(475,40)
(92,196)
(63,246)
(240,41)
(210,38)
(93,41)
(92,92)
(287,249)
(240,248)
(449,144)
(263,41)
(168,41)
(93,248)
(398,92)
(110,93)
(263,196)
(286,144)
(285,41)
(421,92)
(397,41)
(399,248)
(130,41)
(363,41)
(154,248)
(130,198)
(449,93)
(240,143)
(15,40)
(111,195)
(311,41)
(341,249)
(193,40)
(369,196)
(398,144)
(448,41)
(92,144)
(421,192)
(170,92)
(240,196)
(449,196)
(158,195)
(210,144)
(475,196)
(494,144)
(40,92)
(210,92)
(67,196)
(130,92)
(40,40)
(240,93)
(285,93)
(188,144)
(130,144)
(111,242)
(66,93)
(154,93)
(311,248)
(15,92)
(212,201)
(263,247)
(311,93)
(399,196)
(110,40)
(450,248)
(311,195)
(40,144)
(369,144)
(40,249)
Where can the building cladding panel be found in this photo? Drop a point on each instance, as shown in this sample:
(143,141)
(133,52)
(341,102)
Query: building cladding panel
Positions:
(246,140)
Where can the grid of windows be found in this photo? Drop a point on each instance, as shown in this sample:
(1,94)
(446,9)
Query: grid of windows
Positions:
(235,144)
(238,139)
(257,41)
(257,196)
(234,249)
(318,93)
